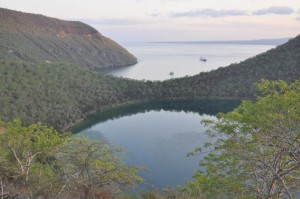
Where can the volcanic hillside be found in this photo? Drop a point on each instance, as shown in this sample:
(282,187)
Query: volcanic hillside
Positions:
(41,39)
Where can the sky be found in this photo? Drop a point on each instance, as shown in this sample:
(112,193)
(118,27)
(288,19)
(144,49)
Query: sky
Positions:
(174,20)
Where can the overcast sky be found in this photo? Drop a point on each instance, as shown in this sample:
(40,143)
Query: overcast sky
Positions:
(174,20)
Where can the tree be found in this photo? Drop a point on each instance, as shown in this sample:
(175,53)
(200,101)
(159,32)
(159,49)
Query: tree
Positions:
(38,162)
(27,156)
(257,154)
(93,168)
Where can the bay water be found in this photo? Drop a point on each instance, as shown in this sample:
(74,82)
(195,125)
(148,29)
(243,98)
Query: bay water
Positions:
(161,61)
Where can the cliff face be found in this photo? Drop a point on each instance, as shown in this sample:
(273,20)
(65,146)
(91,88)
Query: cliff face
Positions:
(38,38)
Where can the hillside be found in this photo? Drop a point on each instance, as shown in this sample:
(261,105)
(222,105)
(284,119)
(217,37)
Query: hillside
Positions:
(41,39)
(59,94)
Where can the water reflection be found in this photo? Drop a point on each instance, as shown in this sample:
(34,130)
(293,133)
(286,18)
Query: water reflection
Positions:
(158,135)
(203,106)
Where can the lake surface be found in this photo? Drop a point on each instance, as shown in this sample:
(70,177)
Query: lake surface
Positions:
(157,60)
(158,135)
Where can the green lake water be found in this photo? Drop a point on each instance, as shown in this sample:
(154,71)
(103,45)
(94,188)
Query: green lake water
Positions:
(157,135)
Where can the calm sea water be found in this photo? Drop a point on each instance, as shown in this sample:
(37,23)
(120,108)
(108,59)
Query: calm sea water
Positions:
(157,60)
(158,135)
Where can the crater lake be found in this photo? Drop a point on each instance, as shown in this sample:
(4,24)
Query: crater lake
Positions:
(157,135)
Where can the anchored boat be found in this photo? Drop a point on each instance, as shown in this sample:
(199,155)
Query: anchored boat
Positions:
(203,59)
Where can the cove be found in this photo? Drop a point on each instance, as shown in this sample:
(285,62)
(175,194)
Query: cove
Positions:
(157,135)
(156,60)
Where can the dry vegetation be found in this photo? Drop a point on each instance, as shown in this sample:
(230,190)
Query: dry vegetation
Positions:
(41,39)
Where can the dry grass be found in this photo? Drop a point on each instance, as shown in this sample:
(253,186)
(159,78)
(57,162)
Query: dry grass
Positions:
(2,130)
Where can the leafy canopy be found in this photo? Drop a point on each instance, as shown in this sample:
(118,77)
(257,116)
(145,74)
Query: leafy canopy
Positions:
(38,162)
(257,154)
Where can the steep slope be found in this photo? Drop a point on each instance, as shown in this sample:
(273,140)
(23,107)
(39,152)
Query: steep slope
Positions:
(41,39)
(59,94)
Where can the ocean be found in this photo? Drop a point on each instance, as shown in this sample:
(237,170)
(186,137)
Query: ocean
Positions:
(165,60)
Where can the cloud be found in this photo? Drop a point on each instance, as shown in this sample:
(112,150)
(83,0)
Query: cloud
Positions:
(224,13)
(298,18)
(274,10)
(210,13)
(156,14)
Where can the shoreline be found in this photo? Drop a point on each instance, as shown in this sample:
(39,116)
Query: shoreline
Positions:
(133,102)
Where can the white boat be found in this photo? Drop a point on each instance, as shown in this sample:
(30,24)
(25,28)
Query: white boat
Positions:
(203,59)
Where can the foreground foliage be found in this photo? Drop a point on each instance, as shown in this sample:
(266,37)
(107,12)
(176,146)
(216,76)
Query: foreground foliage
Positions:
(257,154)
(36,162)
